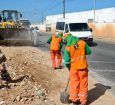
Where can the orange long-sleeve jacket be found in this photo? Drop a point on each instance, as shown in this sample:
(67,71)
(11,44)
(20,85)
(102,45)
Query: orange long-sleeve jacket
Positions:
(77,55)
(55,42)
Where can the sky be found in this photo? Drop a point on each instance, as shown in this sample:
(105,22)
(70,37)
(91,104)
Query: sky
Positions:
(37,10)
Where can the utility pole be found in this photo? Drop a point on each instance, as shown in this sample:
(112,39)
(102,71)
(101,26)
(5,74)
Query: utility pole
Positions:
(94,9)
(42,17)
(63,8)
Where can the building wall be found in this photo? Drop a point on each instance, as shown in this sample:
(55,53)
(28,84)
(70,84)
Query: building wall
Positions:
(103,27)
(101,15)
(103,30)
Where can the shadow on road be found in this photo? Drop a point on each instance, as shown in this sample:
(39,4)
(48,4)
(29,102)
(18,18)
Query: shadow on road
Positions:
(97,92)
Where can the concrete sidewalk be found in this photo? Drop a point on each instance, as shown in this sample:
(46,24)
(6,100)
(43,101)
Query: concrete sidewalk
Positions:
(99,94)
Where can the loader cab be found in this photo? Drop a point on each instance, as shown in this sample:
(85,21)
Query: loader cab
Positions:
(10,15)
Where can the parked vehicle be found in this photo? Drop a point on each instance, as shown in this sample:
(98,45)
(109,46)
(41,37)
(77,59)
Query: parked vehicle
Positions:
(76,28)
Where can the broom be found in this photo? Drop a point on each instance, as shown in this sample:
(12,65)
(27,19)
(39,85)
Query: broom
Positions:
(64,96)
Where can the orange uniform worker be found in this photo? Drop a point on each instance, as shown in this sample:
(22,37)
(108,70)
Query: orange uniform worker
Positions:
(75,59)
(55,42)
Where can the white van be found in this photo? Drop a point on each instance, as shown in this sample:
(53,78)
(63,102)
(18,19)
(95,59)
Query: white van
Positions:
(78,29)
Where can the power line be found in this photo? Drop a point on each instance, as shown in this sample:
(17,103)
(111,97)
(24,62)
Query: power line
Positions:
(53,7)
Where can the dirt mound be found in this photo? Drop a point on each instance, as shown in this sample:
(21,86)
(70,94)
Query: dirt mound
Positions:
(30,74)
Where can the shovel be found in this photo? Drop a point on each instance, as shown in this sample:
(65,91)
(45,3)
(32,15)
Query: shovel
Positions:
(64,96)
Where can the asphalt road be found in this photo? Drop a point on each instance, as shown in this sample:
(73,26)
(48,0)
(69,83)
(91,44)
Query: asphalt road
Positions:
(101,61)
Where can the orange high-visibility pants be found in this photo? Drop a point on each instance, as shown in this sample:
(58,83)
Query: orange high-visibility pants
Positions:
(78,85)
(56,58)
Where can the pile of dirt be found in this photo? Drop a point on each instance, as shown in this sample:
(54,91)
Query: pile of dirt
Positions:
(32,79)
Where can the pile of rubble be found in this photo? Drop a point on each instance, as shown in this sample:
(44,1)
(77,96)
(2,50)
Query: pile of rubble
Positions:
(31,79)
(24,92)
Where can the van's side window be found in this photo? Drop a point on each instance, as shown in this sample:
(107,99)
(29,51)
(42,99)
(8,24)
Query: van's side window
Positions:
(60,25)
(66,28)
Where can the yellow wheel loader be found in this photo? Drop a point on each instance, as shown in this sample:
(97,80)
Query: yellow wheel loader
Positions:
(11,29)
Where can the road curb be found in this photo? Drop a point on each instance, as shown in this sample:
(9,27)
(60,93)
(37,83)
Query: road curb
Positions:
(100,79)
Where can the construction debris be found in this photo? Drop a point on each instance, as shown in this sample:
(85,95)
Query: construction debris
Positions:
(2,57)
(31,78)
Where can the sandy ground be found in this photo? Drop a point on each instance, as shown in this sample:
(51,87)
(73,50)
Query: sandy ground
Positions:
(36,64)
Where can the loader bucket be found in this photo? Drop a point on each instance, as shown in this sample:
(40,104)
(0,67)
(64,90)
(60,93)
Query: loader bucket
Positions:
(15,36)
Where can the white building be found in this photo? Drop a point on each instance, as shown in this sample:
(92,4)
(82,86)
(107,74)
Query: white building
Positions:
(101,16)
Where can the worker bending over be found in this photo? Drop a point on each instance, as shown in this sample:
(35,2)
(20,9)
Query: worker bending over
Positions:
(76,61)
(55,42)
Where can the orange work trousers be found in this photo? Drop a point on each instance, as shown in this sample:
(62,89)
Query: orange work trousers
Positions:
(78,85)
(56,58)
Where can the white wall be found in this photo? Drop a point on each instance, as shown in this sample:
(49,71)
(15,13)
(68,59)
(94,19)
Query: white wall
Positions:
(101,15)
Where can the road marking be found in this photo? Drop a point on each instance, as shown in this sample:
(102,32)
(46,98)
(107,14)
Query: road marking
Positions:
(100,70)
(101,62)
